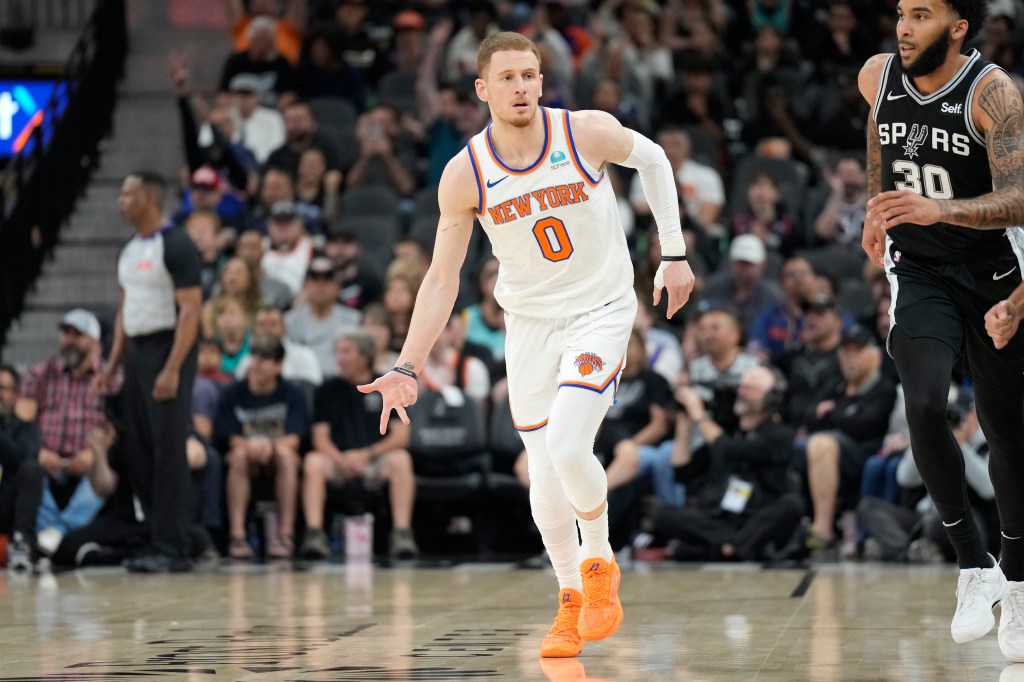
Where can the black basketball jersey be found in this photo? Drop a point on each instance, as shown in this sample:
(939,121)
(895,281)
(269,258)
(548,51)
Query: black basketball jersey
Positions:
(931,145)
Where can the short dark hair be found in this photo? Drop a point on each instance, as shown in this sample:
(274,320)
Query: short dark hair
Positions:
(974,11)
(269,347)
(153,182)
(14,375)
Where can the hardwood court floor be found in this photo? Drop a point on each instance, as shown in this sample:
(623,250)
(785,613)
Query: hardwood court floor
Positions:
(484,622)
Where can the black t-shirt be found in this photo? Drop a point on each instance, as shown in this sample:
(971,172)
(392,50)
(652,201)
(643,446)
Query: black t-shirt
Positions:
(242,413)
(636,395)
(277,76)
(354,417)
(813,377)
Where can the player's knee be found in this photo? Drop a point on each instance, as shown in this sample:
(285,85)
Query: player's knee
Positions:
(315,464)
(238,459)
(398,462)
(925,409)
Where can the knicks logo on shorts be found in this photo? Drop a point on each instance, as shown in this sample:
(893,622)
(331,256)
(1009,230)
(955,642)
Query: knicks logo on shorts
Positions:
(588,363)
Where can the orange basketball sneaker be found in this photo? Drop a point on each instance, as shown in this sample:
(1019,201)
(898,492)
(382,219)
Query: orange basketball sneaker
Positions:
(563,639)
(601,614)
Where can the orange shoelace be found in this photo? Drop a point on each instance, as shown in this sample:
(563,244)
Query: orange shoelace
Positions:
(566,621)
(600,583)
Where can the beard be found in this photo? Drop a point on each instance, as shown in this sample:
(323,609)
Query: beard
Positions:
(930,58)
(72,357)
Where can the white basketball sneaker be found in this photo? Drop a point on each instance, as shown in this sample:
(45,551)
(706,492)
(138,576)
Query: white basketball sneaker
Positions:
(977,591)
(1011,623)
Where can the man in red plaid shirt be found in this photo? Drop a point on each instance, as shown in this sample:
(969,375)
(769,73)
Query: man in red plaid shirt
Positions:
(59,395)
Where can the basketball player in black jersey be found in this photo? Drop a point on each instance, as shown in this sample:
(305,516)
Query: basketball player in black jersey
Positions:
(945,155)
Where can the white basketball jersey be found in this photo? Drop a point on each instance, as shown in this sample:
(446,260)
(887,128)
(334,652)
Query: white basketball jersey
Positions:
(554,227)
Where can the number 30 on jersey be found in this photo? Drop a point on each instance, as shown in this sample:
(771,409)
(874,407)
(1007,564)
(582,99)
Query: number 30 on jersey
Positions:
(936,183)
(553,239)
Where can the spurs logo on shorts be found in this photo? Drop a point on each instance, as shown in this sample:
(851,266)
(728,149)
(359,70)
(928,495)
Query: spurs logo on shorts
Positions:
(588,363)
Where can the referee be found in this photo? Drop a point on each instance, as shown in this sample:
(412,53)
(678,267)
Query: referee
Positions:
(154,334)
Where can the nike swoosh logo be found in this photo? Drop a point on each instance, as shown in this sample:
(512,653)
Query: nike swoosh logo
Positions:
(996,276)
(890,96)
(492,184)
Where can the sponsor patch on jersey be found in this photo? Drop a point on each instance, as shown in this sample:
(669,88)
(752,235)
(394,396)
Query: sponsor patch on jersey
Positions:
(948,108)
(558,160)
(588,363)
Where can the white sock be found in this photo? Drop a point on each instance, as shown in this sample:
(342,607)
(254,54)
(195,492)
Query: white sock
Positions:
(595,537)
(563,548)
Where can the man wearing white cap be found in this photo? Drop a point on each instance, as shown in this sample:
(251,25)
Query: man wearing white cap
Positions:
(59,395)
(743,285)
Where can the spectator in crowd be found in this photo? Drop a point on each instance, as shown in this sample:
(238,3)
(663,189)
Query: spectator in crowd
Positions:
(448,116)
(208,192)
(317,186)
(59,395)
(694,100)
(841,220)
(323,73)
(210,362)
(119,530)
(1000,45)
(770,57)
(289,248)
(777,328)
(663,350)
(273,291)
(278,82)
(302,131)
(401,284)
(846,429)
(640,415)
(361,51)
(291,21)
(716,373)
(232,331)
(767,217)
(300,366)
(485,321)
(237,281)
(738,498)
(743,285)
(320,319)
(348,447)
(700,186)
(261,422)
(812,368)
(608,97)
(449,365)
(777,118)
(276,186)
(386,157)
(258,128)
(460,60)
(21,475)
(360,284)
(377,324)
(843,43)
(202,228)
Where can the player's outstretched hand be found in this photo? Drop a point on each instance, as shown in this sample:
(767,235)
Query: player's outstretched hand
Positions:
(398,391)
(890,209)
(1001,322)
(677,278)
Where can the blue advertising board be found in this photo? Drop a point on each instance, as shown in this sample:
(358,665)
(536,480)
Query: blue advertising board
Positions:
(22,110)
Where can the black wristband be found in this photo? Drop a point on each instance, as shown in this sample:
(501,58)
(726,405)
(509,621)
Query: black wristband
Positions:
(673,259)
(407,372)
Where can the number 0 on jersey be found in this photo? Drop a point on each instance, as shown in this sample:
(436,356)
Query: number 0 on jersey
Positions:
(553,239)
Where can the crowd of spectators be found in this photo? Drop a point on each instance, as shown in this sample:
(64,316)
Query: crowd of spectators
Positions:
(310,191)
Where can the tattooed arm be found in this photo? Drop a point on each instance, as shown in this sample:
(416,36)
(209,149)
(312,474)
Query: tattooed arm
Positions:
(873,237)
(998,112)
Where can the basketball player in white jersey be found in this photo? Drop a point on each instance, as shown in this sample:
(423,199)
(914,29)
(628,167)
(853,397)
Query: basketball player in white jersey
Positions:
(535,180)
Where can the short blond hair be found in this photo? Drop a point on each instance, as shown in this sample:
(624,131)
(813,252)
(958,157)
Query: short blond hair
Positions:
(503,41)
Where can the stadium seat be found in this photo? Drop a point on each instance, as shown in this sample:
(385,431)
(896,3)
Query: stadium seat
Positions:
(334,112)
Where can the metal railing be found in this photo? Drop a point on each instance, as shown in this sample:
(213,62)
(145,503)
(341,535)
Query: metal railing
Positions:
(41,184)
